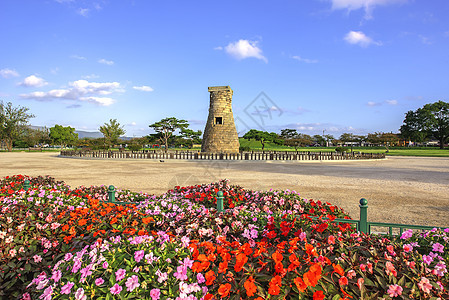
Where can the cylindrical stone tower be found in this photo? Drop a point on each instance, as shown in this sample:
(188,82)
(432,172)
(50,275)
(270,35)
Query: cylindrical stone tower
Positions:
(220,135)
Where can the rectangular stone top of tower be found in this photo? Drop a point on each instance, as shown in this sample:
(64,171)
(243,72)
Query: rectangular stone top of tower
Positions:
(219,88)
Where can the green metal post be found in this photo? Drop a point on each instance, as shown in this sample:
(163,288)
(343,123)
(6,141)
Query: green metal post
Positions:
(111,193)
(364,215)
(220,201)
(26,185)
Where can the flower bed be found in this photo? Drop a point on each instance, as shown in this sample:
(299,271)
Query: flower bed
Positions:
(63,243)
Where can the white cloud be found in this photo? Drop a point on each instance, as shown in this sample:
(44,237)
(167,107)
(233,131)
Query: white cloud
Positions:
(75,56)
(106,62)
(218,48)
(392,102)
(91,76)
(306,60)
(388,102)
(359,38)
(8,73)
(143,88)
(245,49)
(33,81)
(367,5)
(80,90)
(83,11)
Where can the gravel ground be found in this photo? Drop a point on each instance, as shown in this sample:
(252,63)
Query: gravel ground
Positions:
(410,190)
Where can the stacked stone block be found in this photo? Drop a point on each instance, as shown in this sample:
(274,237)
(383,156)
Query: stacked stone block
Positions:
(220,134)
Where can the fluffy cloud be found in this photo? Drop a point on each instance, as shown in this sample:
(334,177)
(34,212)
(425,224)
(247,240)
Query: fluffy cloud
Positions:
(359,38)
(75,56)
(83,12)
(367,5)
(106,62)
(8,73)
(80,90)
(143,88)
(33,81)
(245,49)
(306,60)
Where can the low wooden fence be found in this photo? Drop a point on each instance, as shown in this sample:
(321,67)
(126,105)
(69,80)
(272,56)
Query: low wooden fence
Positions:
(253,155)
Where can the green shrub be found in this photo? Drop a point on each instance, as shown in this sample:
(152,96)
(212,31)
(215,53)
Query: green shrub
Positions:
(341,149)
(244,148)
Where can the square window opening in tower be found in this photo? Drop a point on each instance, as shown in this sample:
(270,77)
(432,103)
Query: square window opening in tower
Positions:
(218,120)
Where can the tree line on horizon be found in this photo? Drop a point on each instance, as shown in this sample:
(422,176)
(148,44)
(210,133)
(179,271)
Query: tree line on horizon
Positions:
(430,122)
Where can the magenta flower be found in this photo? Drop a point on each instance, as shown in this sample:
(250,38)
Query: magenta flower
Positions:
(155,294)
(394,290)
(67,287)
(407,247)
(116,289)
(437,247)
(407,234)
(181,273)
(161,276)
(99,281)
(427,259)
(138,255)
(120,274)
(200,278)
(26,296)
(105,265)
(132,283)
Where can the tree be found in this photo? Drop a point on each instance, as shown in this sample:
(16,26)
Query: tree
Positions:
(329,138)
(299,140)
(63,136)
(431,120)
(13,121)
(31,137)
(288,133)
(191,136)
(261,136)
(166,127)
(383,138)
(350,138)
(112,132)
(319,139)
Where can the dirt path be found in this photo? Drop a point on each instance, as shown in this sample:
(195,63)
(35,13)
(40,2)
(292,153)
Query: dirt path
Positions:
(410,190)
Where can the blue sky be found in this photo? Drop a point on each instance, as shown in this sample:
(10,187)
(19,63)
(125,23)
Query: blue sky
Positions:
(334,65)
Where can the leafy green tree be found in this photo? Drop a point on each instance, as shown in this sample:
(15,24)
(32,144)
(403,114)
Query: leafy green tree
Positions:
(350,138)
(319,139)
(288,133)
(31,137)
(431,120)
(191,136)
(383,138)
(166,127)
(63,136)
(329,138)
(262,136)
(111,132)
(13,122)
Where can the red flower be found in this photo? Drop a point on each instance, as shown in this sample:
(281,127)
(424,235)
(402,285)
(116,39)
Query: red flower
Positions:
(241,259)
(275,285)
(224,289)
(250,286)
(300,284)
(210,277)
(338,269)
(318,295)
(343,281)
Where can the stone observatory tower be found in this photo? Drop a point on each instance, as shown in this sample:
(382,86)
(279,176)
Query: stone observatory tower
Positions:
(220,135)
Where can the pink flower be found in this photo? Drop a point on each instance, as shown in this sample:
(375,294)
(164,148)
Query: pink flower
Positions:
(407,234)
(79,295)
(138,255)
(437,247)
(12,252)
(99,281)
(37,258)
(427,259)
(161,276)
(132,283)
(116,289)
(351,274)
(200,278)
(331,239)
(67,287)
(181,273)
(56,276)
(105,265)
(390,269)
(120,274)
(425,285)
(155,294)
(394,290)
(360,281)
(26,296)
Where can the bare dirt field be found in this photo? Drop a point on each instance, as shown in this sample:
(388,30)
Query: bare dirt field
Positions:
(410,190)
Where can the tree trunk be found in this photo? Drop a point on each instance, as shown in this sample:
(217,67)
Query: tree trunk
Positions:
(9,145)
(442,143)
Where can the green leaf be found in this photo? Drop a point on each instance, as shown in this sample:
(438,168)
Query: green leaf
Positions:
(336,297)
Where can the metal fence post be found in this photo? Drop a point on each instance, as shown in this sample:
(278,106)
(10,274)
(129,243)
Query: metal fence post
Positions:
(111,193)
(364,215)
(220,201)
(26,185)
